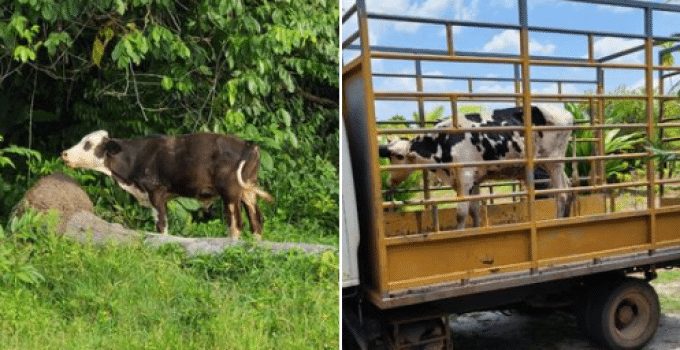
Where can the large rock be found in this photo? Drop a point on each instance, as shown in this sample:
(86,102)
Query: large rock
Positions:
(56,192)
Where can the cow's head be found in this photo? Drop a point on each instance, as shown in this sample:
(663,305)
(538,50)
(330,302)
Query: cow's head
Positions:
(91,152)
(399,152)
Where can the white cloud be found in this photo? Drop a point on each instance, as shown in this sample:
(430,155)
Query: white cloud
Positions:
(494,88)
(615,9)
(458,9)
(346,4)
(641,83)
(508,4)
(508,41)
(395,84)
(607,46)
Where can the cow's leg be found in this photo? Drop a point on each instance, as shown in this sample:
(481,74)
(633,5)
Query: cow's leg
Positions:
(559,181)
(250,202)
(474,206)
(570,195)
(232,211)
(466,179)
(231,197)
(159,203)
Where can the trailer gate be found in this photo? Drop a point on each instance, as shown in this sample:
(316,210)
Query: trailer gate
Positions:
(410,249)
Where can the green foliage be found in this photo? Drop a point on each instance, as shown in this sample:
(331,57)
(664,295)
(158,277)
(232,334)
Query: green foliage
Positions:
(615,142)
(265,71)
(62,294)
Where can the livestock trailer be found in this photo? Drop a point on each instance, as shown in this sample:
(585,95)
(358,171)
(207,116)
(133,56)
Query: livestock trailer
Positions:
(413,266)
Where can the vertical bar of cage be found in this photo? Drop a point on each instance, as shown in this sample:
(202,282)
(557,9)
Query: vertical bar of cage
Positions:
(449,40)
(649,92)
(599,173)
(518,101)
(528,129)
(662,165)
(371,125)
(422,123)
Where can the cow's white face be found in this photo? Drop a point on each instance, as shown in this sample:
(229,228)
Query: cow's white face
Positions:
(88,153)
(400,153)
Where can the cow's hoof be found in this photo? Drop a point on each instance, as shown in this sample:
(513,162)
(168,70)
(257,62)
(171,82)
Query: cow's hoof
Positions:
(258,236)
(235,237)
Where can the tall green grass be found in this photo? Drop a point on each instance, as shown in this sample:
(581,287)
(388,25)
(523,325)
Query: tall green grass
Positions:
(57,294)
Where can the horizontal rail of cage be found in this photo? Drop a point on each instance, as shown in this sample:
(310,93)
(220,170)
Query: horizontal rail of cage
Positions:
(671,74)
(350,39)
(480,78)
(482,185)
(491,25)
(457,199)
(508,59)
(350,11)
(593,188)
(462,56)
(392,95)
(621,53)
(426,122)
(583,99)
(431,201)
(667,181)
(491,163)
(500,129)
(634,4)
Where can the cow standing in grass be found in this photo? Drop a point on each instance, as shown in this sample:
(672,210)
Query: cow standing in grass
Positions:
(487,146)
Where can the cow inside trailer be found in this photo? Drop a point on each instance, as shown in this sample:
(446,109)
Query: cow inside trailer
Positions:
(413,255)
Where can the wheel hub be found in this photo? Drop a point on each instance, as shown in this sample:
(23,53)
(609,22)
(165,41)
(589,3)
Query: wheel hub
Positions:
(624,315)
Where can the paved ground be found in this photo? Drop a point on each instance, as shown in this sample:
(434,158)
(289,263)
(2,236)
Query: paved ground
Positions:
(557,330)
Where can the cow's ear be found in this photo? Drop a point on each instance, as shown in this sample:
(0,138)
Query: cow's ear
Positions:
(384,152)
(112,147)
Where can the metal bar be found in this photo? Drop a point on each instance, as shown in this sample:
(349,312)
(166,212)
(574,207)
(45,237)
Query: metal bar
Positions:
(481,163)
(649,92)
(414,94)
(449,40)
(429,20)
(350,39)
(377,233)
(489,129)
(350,11)
(444,57)
(633,3)
(490,163)
(593,188)
(479,78)
(525,64)
(621,53)
(668,181)
(396,204)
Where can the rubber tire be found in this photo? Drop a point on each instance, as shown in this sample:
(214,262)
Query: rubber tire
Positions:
(602,307)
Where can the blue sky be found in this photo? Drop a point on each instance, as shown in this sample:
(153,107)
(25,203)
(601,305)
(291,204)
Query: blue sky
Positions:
(548,13)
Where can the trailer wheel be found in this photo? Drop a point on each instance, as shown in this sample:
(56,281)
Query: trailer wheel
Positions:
(624,316)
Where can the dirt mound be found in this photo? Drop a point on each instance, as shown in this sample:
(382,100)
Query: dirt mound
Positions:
(58,192)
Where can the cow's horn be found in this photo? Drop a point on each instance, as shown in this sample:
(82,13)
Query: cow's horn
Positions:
(384,151)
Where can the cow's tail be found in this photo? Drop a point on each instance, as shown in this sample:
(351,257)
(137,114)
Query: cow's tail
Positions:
(251,153)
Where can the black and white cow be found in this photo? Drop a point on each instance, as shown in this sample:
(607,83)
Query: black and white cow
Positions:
(487,146)
(155,169)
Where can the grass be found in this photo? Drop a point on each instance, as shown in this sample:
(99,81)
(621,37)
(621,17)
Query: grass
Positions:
(669,299)
(134,297)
